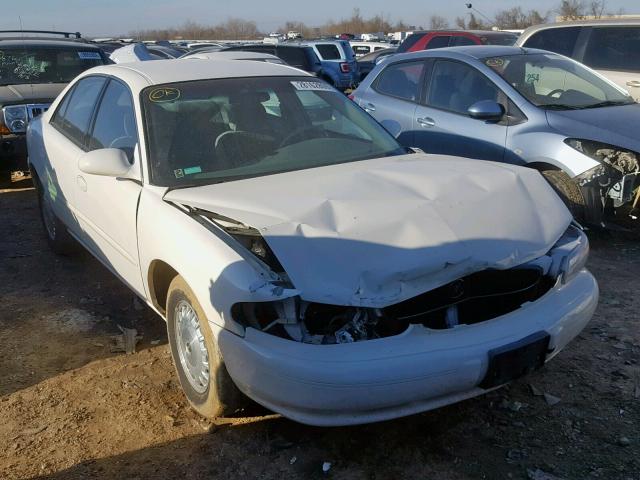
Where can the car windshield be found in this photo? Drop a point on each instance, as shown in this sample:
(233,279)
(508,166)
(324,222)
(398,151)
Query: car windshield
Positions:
(554,82)
(29,65)
(210,131)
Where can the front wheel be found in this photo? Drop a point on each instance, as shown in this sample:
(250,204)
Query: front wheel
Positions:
(201,370)
(568,191)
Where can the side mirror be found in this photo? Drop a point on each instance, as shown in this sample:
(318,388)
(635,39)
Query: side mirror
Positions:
(108,162)
(486,110)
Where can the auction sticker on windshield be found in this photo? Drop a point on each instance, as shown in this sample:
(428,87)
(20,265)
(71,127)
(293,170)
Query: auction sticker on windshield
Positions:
(90,55)
(299,85)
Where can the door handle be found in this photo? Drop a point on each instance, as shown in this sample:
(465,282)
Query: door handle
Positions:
(369,107)
(426,122)
(633,83)
(82,183)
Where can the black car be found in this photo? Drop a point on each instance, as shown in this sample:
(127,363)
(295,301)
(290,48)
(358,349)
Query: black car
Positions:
(33,71)
(299,56)
(367,62)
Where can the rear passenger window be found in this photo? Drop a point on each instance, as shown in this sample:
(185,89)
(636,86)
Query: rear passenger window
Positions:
(456,86)
(440,41)
(115,121)
(74,121)
(559,40)
(293,56)
(401,80)
(328,51)
(614,48)
(461,41)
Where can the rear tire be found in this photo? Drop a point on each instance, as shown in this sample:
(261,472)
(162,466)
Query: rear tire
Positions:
(189,338)
(58,237)
(568,191)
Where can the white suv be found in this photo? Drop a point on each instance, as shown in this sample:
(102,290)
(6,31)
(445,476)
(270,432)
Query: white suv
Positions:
(611,47)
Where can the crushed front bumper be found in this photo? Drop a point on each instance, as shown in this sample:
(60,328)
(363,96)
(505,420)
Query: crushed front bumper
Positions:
(415,371)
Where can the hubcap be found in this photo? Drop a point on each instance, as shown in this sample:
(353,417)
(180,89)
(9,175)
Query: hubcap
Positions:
(192,349)
(49,217)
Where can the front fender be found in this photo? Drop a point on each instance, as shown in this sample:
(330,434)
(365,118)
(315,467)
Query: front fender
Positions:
(216,271)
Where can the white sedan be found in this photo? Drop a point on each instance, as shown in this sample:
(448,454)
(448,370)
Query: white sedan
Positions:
(299,255)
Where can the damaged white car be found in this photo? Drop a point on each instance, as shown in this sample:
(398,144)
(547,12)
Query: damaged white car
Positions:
(299,255)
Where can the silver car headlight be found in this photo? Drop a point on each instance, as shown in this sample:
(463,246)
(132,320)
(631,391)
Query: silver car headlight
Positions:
(576,259)
(15,118)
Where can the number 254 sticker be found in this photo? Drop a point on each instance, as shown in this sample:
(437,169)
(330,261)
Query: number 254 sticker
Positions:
(164,94)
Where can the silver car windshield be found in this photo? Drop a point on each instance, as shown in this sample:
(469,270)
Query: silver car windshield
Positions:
(211,131)
(553,82)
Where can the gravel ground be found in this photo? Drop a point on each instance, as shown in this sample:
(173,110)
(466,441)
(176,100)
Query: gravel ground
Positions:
(71,408)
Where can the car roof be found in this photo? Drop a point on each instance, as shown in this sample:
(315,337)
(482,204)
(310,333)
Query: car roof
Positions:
(473,32)
(586,23)
(230,55)
(473,51)
(139,75)
(44,42)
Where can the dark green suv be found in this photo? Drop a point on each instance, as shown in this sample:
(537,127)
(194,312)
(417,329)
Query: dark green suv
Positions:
(34,69)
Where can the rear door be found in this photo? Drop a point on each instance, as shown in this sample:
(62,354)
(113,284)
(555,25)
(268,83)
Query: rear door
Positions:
(107,206)
(441,122)
(614,51)
(392,98)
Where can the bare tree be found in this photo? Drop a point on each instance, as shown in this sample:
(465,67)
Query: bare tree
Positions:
(516,18)
(436,22)
(571,10)
(597,7)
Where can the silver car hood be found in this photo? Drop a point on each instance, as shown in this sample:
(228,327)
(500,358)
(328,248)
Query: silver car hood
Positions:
(377,232)
(616,126)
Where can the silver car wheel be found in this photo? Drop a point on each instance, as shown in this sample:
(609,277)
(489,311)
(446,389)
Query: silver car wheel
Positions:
(192,350)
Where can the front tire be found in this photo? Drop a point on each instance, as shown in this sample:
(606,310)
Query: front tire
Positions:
(568,192)
(198,362)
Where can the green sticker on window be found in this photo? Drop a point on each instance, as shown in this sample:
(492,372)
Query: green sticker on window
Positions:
(192,170)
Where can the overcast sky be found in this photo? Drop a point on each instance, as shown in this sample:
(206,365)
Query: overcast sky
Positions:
(111,17)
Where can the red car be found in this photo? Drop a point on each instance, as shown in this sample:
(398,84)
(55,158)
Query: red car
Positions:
(429,39)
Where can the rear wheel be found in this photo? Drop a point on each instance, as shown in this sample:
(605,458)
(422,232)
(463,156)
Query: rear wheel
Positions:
(568,191)
(58,237)
(198,362)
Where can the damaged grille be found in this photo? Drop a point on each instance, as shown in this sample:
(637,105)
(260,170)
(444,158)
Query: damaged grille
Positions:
(469,300)
(475,298)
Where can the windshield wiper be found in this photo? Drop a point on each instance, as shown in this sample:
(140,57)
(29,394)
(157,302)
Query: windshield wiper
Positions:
(559,106)
(609,103)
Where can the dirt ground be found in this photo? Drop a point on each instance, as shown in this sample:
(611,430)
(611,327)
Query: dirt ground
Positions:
(70,408)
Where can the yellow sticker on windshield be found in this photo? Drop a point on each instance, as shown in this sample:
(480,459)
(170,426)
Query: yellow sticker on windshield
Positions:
(494,62)
(164,94)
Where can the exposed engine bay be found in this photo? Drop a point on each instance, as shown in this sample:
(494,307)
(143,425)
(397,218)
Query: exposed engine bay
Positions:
(618,176)
(474,298)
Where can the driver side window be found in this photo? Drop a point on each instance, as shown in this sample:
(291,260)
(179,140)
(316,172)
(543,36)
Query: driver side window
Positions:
(115,125)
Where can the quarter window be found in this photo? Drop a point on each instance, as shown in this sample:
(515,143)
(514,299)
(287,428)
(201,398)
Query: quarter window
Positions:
(115,122)
(74,121)
(328,51)
(456,86)
(614,48)
(438,42)
(401,80)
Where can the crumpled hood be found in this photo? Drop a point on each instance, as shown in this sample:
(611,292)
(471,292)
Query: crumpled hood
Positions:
(30,93)
(616,126)
(377,232)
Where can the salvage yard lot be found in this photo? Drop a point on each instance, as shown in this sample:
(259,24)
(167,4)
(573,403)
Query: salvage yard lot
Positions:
(71,408)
